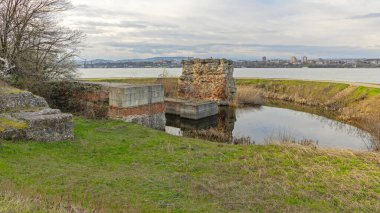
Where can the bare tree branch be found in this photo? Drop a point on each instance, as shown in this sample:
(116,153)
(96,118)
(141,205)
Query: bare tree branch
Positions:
(32,44)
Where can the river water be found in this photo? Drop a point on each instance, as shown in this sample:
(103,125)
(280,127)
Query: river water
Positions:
(324,74)
(265,123)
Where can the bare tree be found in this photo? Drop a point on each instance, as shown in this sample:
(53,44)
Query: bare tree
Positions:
(33,46)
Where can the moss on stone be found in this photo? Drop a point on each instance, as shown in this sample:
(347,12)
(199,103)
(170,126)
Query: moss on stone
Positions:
(6,123)
(6,90)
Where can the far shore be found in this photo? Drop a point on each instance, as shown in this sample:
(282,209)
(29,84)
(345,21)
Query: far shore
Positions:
(372,85)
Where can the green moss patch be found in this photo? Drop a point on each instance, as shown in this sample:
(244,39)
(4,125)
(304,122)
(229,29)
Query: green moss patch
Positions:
(7,90)
(6,123)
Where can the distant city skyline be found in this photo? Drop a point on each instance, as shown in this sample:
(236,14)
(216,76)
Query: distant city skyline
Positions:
(238,29)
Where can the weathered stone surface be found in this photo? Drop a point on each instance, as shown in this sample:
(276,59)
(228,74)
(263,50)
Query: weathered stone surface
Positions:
(135,95)
(147,115)
(47,125)
(154,121)
(208,79)
(24,116)
(141,104)
(173,106)
(194,110)
(12,102)
(90,100)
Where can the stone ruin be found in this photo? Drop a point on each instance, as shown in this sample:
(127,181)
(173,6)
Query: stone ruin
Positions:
(208,79)
(24,116)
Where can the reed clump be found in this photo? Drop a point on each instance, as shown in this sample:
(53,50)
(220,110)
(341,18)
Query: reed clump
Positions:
(284,137)
(169,83)
(219,136)
(248,95)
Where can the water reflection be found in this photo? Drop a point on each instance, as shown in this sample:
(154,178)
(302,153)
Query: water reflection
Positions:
(224,122)
(261,123)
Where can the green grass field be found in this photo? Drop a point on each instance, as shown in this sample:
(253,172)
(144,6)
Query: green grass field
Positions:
(113,166)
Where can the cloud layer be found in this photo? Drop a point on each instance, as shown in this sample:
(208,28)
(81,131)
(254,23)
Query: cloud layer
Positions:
(237,29)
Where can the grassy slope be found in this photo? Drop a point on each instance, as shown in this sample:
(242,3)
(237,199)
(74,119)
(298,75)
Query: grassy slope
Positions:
(114,166)
(319,91)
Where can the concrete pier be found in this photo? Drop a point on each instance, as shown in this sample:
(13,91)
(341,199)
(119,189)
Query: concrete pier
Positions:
(142,104)
(126,96)
(193,110)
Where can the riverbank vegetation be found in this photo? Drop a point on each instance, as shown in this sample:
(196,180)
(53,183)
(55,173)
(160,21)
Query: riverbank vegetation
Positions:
(114,166)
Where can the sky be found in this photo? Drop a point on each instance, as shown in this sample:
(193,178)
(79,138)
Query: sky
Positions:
(234,29)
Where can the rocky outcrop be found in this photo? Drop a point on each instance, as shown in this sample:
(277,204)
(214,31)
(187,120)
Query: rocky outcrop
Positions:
(24,116)
(208,79)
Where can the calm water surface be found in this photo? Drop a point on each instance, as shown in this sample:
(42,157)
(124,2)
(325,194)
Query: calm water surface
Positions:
(326,74)
(271,122)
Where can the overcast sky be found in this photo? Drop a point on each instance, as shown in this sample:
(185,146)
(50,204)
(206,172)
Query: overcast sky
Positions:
(236,29)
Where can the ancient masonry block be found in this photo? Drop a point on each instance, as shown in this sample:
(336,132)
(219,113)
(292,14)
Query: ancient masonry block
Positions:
(208,79)
(24,116)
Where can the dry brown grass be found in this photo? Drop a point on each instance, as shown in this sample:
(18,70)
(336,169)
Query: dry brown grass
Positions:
(248,95)
(11,202)
(287,138)
(372,125)
(170,86)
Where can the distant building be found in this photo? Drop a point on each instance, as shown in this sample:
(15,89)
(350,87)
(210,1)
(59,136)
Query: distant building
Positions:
(293,60)
(304,60)
(320,61)
(264,59)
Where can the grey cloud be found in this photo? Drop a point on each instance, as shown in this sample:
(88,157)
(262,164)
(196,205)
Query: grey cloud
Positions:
(367,16)
(84,10)
(226,48)
(124,24)
(166,27)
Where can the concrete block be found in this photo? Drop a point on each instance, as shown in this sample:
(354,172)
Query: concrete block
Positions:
(199,110)
(173,106)
(194,110)
(128,96)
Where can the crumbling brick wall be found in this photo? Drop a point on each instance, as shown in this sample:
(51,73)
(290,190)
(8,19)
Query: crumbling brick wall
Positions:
(80,98)
(208,79)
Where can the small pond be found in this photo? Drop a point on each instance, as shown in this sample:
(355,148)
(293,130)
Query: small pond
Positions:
(264,123)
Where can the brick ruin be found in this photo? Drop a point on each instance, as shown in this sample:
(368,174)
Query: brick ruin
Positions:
(141,104)
(208,79)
